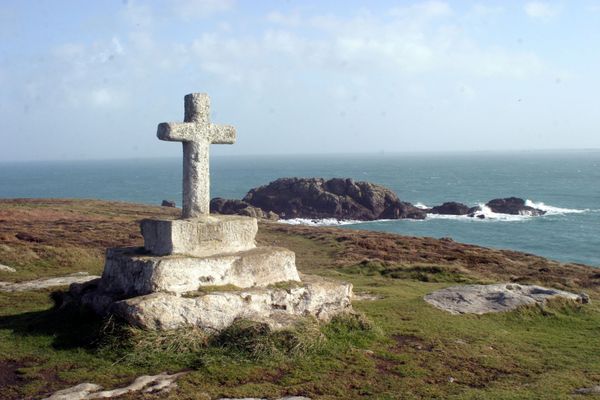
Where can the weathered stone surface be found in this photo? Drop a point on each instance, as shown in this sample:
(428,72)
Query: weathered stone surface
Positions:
(482,299)
(196,133)
(514,206)
(333,198)
(239,207)
(592,390)
(203,236)
(128,273)
(160,383)
(79,277)
(215,311)
(6,268)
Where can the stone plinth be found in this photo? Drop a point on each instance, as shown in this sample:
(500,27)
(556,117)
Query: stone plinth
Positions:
(278,307)
(128,273)
(201,237)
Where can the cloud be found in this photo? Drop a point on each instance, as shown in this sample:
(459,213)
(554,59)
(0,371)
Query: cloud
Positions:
(291,20)
(423,10)
(421,40)
(414,42)
(101,97)
(485,10)
(198,9)
(541,10)
(139,16)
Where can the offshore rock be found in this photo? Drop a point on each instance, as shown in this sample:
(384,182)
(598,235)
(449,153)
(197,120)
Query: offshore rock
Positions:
(239,207)
(333,198)
(513,206)
(451,208)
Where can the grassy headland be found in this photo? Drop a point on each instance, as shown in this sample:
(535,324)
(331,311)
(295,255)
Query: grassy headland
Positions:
(404,348)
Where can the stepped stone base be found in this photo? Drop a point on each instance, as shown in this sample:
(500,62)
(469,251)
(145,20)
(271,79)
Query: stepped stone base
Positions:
(207,272)
(212,312)
(129,272)
(201,237)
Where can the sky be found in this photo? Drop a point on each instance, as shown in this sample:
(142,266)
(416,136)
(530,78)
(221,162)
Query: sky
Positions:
(91,80)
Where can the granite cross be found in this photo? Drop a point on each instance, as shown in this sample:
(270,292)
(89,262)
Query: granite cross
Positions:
(196,133)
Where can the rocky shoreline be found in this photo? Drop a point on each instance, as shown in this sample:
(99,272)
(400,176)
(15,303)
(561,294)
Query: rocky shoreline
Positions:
(346,199)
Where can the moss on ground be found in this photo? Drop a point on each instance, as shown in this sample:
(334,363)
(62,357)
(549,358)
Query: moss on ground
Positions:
(399,348)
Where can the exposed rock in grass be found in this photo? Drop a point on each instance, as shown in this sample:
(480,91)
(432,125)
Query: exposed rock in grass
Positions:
(482,299)
(160,383)
(281,398)
(366,297)
(589,390)
(6,268)
(78,277)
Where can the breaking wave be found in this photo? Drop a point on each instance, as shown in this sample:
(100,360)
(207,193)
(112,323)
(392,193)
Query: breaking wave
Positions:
(489,215)
(550,210)
(485,212)
(321,222)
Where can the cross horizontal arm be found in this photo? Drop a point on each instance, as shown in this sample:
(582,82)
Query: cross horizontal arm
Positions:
(222,134)
(179,132)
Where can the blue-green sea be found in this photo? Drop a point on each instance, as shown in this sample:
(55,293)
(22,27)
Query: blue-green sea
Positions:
(566,184)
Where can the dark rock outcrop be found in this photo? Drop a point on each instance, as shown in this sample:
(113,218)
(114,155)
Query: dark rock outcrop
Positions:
(513,206)
(239,207)
(333,198)
(168,203)
(451,208)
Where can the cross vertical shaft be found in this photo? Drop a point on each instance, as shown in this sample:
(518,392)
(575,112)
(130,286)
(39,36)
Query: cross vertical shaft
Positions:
(196,133)
(196,179)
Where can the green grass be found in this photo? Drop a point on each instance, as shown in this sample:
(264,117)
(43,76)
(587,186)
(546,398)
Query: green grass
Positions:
(406,349)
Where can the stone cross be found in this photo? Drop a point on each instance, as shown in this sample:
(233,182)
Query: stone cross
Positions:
(196,133)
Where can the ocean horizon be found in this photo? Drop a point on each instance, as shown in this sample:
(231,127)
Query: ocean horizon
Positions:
(565,184)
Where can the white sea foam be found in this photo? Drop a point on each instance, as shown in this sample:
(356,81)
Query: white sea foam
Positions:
(550,210)
(484,211)
(320,222)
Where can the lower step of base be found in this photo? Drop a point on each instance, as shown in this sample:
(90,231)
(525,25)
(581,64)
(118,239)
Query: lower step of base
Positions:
(215,311)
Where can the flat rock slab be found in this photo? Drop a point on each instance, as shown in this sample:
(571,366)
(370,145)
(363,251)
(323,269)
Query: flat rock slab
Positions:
(261,398)
(482,299)
(160,383)
(6,268)
(588,390)
(79,277)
